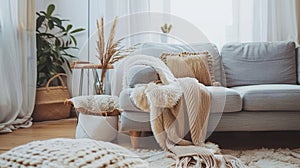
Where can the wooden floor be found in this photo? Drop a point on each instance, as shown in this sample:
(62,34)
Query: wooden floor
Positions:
(39,131)
(226,140)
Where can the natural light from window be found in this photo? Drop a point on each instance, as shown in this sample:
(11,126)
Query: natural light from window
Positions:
(212,17)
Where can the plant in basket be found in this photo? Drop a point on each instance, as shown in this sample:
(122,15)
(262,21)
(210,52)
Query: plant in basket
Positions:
(53,42)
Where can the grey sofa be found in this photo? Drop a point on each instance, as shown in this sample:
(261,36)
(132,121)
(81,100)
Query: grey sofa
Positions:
(260,87)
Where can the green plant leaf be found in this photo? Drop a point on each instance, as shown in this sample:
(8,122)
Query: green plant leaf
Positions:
(50,24)
(48,35)
(42,12)
(50,9)
(41,67)
(70,42)
(57,42)
(77,30)
(57,21)
(74,40)
(69,27)
(39,21)
(69,55)
(69,66)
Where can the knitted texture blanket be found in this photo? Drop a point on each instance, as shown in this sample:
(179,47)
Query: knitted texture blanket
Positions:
(69,153)
(179,111)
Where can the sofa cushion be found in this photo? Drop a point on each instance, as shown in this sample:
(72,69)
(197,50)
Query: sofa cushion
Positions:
(218,65)
(274,97)
(220,96)
(259,63)
(197,65)
(224,99)
(140,74)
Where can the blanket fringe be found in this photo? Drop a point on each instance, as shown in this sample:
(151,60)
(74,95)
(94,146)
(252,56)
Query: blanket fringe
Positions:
(209,160)
(233,162)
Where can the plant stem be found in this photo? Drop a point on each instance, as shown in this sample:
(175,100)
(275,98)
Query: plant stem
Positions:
(103,74)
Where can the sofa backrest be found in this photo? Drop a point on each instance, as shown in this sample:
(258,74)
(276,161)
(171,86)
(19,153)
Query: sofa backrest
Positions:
(156,49)
(259,63)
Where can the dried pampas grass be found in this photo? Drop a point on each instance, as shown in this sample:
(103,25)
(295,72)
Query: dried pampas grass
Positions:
(110,52)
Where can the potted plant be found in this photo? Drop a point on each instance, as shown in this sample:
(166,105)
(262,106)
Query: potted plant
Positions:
(53,42)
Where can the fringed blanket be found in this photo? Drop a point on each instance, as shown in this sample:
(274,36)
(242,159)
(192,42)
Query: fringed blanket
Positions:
(179,111)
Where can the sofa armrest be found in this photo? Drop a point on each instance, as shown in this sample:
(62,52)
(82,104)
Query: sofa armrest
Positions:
(298,64)
(141,74)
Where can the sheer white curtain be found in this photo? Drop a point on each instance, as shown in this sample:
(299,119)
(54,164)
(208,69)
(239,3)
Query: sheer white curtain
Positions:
(265,20)
(242,20)
(126,27)
(17,63)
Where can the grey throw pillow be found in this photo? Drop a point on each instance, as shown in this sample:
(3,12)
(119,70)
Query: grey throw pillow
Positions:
(141,74)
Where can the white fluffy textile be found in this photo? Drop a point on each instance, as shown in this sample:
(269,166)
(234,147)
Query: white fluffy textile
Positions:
(95,104)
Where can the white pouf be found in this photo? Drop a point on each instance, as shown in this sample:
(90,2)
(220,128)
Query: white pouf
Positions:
(104,128)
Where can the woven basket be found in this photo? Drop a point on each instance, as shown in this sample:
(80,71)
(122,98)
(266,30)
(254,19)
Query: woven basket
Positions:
(49,102)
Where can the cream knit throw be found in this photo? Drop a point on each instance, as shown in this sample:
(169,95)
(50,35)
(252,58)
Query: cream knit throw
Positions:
(178,107)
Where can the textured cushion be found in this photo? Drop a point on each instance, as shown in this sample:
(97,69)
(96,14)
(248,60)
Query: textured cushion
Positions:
(259,63)
(70,153)
(156,49)
(220,96)
(95,104)
(187,64)
(281,97)
(140,74)
(218,65)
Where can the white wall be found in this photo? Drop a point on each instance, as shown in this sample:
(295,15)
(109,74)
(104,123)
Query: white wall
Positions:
(74,10)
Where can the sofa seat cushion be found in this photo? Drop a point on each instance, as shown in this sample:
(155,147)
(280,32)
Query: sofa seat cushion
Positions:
(223,100)
(272,97)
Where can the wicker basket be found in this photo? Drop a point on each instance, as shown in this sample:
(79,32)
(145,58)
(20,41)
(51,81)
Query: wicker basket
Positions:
(49,102)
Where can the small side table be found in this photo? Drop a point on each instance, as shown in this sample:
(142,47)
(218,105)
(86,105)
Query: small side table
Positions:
(82,65)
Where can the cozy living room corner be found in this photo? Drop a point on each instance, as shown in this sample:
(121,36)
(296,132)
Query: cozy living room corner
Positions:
(150,83)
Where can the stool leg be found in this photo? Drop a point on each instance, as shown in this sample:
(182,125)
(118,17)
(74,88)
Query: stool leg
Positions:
(134,137)
(81,82)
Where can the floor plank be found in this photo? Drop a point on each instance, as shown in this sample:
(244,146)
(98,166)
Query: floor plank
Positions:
(39,131)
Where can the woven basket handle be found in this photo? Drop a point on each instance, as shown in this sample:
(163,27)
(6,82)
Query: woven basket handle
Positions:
(59,77)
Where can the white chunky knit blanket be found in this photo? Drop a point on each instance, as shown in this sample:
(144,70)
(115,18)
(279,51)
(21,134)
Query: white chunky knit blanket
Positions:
(70,153)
